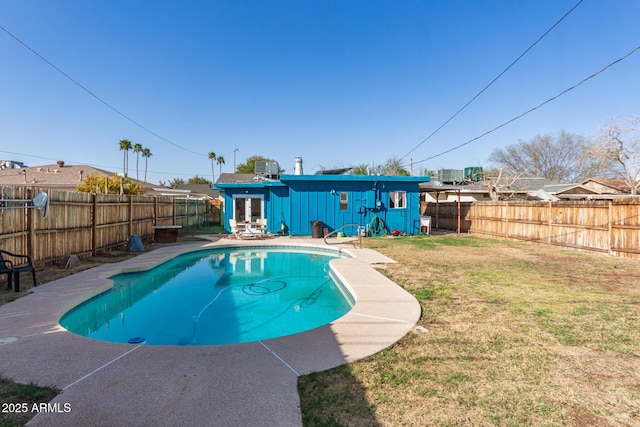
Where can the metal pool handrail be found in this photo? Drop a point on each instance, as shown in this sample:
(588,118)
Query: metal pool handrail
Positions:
(340,228)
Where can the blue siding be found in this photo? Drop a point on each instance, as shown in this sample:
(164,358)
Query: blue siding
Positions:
(298,200)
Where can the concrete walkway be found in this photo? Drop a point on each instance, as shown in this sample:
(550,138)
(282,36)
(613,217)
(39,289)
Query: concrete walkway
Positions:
(252,384)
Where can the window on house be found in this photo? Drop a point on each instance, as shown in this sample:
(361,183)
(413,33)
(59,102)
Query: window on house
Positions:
(344,201)
(398,199)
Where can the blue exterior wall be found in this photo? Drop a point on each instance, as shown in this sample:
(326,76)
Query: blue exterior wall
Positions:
(321,201)
(297,200)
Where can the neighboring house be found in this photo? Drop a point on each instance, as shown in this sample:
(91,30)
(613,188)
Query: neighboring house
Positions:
(56,177)
(192,191)
(292,202)
(518,189)
(538,189)
(591,189)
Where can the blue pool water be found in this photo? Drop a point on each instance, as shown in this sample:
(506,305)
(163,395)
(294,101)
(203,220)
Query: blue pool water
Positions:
(214,297)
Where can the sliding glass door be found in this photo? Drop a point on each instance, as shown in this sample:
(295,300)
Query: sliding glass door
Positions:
(248,208)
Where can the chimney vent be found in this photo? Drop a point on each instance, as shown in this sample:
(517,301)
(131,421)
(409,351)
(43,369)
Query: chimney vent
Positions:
(297,169)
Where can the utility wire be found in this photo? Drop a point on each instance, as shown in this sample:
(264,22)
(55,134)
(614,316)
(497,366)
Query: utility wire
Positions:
(494,80)
(105,167)
(532,109)
(96,96)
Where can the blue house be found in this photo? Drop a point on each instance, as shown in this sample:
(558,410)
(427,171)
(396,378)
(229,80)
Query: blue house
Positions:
(294,202)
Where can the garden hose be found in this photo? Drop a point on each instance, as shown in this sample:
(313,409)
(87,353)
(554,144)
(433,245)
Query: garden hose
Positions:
(377,227)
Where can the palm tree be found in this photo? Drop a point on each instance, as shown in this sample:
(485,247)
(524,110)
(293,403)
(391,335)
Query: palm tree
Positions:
(220,162)
(137,148)
(146,153)
(212,156)
(125,145)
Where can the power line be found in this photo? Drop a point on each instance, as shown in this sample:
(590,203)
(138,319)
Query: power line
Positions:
(494,80)
(532,109)
(93,164)
(96,96)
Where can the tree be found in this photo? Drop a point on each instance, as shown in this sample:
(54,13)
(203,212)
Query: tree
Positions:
(146,153)
(125,145)
(499,186)
(174,183)
(249,165)
(361,169)
(198,180)
(618,147)
(117,184)
(393,166)
(212,157)
(137,148)
(561,158)
(220,163)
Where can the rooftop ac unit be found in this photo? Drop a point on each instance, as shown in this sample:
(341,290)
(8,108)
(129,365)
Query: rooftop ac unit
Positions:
(266,168)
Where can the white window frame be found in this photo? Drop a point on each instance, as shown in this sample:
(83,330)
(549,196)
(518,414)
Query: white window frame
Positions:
(344,201)
(247,204)
(398,199)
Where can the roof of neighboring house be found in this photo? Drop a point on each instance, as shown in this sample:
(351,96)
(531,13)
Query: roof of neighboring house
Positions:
(237,178)
(203,189)
(519,185)
(52,176)
(340,171)
(65,177)
(607,185)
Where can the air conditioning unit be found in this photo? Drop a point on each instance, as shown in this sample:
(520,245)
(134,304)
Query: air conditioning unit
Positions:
(268,168)
(450,175)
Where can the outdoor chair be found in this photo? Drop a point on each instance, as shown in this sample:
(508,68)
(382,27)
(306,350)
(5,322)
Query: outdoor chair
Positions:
(234,227)
(16,269)
(6,267)
(262,225)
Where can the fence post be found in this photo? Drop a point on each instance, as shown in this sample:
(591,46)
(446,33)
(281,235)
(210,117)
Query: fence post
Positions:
(186,208)
(550,221)
(505,215)
(94,225)
(173,204)
(155,210)
(31,235)
(610,226)
(130,215)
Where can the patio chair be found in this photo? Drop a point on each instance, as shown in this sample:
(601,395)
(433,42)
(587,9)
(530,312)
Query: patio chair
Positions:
(234,227)
(6,267)
(25,266)
(262,225)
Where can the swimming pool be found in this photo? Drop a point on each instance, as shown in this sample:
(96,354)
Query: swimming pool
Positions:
(217,296)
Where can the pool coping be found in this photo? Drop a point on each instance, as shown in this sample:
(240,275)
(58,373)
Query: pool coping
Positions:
(232,384)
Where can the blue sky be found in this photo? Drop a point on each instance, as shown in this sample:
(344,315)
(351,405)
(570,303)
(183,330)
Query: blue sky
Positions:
(337,83)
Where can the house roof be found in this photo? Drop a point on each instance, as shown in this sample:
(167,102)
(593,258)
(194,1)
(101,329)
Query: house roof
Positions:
(51,176)
(227,180)
(607,185)
(354,178)
(237,178)
(65,177)
(340,171)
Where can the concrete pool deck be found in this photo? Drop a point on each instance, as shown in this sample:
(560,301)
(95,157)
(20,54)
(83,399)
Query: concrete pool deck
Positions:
(109,384)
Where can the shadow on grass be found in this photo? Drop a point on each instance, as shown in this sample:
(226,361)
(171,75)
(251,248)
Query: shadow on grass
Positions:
(334,398)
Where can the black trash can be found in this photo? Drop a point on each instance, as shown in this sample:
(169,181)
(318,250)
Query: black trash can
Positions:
(316,229)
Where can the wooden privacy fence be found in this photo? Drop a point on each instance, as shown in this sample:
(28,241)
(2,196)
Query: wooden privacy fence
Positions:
(611,227)
(85,223)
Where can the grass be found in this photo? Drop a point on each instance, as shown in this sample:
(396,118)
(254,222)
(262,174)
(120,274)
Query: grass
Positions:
(511,335)
(17,400)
